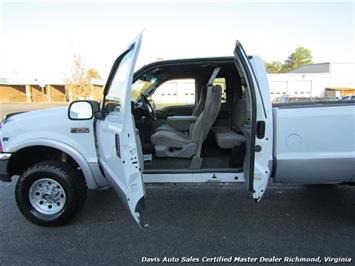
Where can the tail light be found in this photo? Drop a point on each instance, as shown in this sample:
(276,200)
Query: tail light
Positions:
(1,149)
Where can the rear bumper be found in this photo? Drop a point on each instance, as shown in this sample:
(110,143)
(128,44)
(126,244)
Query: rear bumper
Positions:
(4,159)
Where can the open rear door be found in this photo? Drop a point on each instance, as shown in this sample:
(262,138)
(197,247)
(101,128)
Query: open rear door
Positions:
(258,163)
(117,139)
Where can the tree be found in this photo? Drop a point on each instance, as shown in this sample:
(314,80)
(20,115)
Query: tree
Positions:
(79,85)
(273,67)
(93,74)
(301,56)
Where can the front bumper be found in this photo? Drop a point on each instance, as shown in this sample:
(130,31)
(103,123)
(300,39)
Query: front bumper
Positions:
(4,159)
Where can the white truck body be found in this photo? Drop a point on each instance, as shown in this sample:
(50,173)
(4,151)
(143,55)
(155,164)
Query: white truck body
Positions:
(299,144)
(314,143)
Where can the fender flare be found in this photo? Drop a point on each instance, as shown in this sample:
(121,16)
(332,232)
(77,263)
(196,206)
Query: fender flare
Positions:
(75,154)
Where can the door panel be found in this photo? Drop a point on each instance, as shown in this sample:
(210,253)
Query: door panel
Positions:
(122,166)
(258,162)
(118,147)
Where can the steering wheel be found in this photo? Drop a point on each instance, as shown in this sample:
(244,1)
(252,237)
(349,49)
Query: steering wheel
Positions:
(148,107)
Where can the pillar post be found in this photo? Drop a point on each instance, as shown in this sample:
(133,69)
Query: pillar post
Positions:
(49,93)
(28,94)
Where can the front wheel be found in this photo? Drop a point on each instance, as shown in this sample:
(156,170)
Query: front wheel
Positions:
(50,193)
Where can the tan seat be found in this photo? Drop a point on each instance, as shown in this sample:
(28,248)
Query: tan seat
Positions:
(185,145)
(227,138)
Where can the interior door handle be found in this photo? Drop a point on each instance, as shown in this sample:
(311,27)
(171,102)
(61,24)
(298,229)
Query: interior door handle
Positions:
(117,145)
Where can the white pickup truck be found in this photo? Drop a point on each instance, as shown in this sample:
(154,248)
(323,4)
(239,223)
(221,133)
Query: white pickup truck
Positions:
(230,134)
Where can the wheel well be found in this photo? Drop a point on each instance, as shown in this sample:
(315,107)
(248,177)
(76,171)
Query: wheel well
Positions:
(26,157)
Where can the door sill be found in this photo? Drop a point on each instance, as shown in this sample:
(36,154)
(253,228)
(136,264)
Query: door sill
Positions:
(182,171)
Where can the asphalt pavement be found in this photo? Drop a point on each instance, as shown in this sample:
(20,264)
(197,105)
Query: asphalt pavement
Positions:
(187,220)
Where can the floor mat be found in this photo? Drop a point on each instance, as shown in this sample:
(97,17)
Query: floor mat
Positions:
(213,158)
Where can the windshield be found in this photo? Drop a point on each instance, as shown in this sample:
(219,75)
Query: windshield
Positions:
(115,98)
(141,85)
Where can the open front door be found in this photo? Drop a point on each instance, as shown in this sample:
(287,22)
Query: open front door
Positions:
(118,142)
(258,163)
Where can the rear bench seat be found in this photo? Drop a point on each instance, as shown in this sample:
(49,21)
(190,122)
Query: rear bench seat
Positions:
(227,138)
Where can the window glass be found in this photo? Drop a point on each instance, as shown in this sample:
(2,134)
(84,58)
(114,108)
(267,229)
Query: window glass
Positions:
(221,82)
(115,98)
(140,86)
(174,92)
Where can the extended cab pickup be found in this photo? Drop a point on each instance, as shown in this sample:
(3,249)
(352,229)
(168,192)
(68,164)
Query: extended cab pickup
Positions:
(231,133)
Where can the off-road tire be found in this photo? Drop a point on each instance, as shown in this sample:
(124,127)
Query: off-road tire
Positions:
(68,178)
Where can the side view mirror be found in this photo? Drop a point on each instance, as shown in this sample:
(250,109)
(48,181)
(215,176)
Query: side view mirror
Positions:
(83,110)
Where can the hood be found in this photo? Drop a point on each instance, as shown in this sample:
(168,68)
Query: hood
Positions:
(48,127)
(38,114)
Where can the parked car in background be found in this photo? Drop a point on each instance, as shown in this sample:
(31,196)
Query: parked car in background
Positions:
(286,99)
(348,98)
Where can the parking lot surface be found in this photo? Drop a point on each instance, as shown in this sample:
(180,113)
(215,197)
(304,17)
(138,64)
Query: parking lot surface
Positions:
(187,220)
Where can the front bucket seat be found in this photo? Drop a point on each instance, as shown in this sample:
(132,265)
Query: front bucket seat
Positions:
(185,145)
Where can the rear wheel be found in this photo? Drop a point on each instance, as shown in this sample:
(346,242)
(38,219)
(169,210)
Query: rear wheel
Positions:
(50,193)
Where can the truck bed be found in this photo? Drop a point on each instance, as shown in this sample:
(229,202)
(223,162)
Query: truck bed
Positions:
(314,142)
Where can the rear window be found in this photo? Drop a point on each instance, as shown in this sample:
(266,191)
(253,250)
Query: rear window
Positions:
(221,82)
(174,92)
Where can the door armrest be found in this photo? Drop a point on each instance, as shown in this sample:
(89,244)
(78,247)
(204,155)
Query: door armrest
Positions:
(181,122)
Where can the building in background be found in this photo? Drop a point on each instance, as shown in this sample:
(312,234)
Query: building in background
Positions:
(177,91)
(180,92)
(314,80)
(33,90)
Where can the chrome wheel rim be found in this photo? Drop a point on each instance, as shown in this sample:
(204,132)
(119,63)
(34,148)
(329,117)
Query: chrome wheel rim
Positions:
(47,196)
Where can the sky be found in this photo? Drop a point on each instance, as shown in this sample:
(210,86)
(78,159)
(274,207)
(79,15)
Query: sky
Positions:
(39,39)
